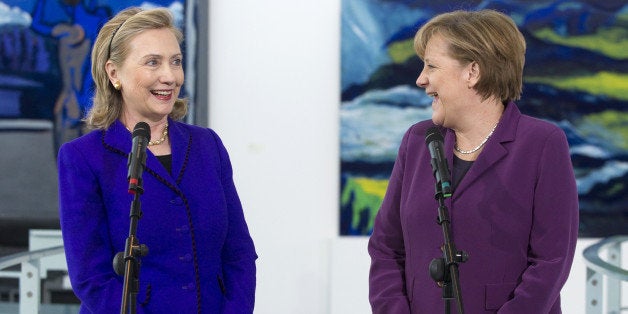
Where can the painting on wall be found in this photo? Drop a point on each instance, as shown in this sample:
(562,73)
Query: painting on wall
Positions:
(46,88)
(576,76)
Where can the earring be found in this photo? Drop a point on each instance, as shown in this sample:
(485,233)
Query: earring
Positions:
(116,85)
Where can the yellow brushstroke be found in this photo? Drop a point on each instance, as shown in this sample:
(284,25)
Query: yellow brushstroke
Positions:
(612,42)
(401,51)
(613,127)
(372,186)
(368,194)
(603,83)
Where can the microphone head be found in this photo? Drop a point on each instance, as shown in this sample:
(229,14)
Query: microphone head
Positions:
(433,134)
(142,129)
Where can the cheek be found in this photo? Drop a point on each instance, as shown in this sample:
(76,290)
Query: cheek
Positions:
(180,77)
(141,80)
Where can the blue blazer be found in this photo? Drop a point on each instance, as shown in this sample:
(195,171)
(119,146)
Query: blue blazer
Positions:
(515,213)
(201,257)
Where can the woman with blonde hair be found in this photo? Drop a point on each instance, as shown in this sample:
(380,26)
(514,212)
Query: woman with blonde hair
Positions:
(201,258)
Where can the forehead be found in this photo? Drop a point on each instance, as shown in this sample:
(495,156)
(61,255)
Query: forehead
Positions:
(437,46)
(160,41)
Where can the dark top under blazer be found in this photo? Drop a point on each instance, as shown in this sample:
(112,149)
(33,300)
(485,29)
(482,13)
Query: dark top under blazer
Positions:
(201,257)
(515,213)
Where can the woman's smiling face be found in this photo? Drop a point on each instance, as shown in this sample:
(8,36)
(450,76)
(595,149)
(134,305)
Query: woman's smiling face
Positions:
(152,75)
(444,79)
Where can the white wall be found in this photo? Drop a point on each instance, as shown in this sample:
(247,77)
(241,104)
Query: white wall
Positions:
(274,98)
(274,95)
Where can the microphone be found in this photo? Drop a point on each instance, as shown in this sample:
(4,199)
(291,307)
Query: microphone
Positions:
(137,158)
(440,169)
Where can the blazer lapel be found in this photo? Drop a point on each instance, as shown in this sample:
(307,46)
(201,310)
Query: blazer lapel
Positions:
(119,139)
(493,152)
(181,142)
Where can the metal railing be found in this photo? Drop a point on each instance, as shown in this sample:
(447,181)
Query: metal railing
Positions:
(605,276)
(29,275)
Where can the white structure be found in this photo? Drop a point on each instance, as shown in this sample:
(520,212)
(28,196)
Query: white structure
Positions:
(274,96)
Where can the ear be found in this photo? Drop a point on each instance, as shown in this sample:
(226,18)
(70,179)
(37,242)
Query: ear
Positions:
(112,72)
(473,74)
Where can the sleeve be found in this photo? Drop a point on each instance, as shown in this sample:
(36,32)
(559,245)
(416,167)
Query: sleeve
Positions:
(84,228)
(238,253)
(387,285)
(554,232)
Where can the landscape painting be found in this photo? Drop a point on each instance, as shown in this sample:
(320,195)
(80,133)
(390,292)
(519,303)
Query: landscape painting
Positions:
(576,76)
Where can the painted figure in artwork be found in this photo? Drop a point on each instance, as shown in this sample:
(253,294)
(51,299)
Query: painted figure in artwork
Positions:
(75,38)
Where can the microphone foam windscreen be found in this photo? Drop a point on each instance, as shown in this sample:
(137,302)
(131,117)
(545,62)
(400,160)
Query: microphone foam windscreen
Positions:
(142,129)
(433,134)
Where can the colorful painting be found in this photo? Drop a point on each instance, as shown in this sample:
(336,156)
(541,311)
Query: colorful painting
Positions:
(45,89)
(576,76)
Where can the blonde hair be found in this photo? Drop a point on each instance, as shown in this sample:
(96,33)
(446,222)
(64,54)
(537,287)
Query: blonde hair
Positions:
(112,44)
(487,37)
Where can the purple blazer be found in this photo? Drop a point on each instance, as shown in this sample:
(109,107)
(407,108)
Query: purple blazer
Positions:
(201,257)
(515,213)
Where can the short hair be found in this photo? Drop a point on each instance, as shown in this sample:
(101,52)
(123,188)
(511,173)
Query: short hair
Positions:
(487,37)
(112,44)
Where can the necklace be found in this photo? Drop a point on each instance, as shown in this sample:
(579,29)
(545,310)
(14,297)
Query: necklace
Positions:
(162,139)
(475,149)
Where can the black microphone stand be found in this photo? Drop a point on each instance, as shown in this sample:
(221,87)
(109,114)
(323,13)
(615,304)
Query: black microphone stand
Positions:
(132,253)
(444,270)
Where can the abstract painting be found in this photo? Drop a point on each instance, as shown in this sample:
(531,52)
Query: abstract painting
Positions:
(45,90)
(576,76)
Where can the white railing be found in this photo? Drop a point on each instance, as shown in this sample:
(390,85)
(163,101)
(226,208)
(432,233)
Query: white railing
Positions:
(30,279)
(605,276)
(45,253)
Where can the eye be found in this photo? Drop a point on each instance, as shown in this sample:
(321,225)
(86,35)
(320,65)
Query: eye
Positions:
(152,62)
(177,61)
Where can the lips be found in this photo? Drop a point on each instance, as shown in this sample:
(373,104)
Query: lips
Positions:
(162,94)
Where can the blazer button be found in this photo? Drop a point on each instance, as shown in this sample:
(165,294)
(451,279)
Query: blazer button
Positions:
(186,257)
(176,201)
(183,228)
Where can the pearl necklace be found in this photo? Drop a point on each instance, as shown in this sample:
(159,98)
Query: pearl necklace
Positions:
(475,149)
(162,139)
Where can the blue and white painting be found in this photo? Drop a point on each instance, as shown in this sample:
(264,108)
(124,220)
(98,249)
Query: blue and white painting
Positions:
(576,76)
(45,90)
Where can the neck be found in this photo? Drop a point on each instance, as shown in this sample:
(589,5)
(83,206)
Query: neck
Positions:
(480,119)
(479,127)
(156,127)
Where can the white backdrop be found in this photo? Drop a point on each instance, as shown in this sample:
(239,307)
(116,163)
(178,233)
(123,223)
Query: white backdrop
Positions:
(274,77)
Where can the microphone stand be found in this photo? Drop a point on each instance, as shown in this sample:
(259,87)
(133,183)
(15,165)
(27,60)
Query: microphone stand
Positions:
(132,253)
(444,270)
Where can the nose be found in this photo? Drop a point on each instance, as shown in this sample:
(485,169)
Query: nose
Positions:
(421,81)
(168,75)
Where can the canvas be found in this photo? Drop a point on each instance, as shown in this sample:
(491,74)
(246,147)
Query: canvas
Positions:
(45,90)
(576,76)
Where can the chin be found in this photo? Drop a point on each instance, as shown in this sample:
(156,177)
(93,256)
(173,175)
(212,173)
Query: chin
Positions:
(437,120)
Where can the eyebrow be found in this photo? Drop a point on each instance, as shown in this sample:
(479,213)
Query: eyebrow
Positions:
(154,55)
